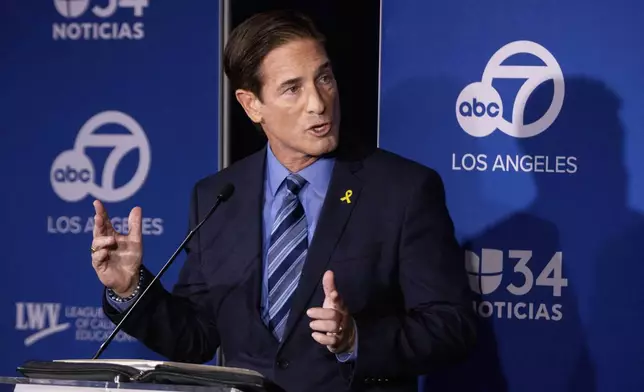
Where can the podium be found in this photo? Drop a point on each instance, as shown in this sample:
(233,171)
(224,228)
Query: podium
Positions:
(131,376)
(23,384)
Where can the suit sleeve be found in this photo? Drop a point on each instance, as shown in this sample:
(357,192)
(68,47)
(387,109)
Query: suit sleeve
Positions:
(176,325)
(437,325)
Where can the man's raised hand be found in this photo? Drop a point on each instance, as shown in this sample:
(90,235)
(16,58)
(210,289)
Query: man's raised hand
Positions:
(116,258)
(331,324)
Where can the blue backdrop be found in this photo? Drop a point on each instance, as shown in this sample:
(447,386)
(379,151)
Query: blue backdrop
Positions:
(531,112)
(115,100)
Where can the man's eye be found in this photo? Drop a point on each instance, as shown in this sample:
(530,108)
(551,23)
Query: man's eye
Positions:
(292,90)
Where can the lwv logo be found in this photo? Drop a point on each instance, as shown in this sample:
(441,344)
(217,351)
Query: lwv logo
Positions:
(42,318)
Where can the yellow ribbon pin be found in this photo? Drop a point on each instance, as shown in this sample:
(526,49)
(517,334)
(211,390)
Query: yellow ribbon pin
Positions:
(347,196)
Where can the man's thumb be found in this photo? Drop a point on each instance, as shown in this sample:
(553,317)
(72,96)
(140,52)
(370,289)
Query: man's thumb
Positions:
(134,223)
(328,283)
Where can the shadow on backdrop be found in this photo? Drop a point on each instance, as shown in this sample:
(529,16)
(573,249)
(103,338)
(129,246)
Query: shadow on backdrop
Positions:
(583,215)
(551,352)
(600,236)
(429,103)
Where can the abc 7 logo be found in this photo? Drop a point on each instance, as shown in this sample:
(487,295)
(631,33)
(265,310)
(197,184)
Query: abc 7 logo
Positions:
(72,173)
(479,108)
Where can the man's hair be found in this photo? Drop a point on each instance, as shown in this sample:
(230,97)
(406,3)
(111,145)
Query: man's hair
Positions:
(253,39)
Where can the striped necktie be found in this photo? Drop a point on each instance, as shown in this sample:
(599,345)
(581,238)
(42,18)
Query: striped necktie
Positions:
(286,255)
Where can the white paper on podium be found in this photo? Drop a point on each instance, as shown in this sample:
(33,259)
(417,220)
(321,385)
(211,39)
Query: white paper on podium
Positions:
(145,365)
(60,388)
(109,388)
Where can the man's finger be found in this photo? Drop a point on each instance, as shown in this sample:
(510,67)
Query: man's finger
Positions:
(134,224)
(334,301)
(323,313)
(103,242)
(325,325)
(102,224)
(334,297)
(99,257)
(328,283)
(327,340)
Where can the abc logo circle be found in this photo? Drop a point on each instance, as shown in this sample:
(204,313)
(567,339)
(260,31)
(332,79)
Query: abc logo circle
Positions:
(71,173)
(478,109)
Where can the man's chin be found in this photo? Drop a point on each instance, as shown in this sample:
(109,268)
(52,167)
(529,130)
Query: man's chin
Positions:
(322,146)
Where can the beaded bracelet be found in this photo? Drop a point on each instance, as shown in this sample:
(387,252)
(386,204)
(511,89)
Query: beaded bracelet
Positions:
(130,297)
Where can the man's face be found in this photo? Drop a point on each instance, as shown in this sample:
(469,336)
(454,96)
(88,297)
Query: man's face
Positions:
(300,109)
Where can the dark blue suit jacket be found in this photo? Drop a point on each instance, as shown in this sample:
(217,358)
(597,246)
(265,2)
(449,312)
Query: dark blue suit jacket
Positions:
(397,264)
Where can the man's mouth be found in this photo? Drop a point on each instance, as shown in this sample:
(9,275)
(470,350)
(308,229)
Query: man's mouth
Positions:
(320,129)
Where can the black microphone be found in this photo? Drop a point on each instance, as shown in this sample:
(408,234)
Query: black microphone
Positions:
(224,195)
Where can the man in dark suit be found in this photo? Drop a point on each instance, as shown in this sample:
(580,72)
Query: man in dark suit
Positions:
(327,270)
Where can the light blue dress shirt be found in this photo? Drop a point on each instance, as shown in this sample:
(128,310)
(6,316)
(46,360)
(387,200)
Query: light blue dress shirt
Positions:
(312,194)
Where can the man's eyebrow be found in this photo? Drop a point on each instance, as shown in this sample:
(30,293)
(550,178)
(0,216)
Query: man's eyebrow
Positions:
(324,67)
(294,81)
(290,82)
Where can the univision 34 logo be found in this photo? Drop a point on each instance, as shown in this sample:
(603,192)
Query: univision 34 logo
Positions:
(99,24)
(486,271)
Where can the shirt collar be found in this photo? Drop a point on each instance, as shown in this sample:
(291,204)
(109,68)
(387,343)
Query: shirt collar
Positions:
(318,174)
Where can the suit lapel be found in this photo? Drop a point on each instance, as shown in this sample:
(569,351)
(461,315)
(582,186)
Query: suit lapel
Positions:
(333,218)
(249,234)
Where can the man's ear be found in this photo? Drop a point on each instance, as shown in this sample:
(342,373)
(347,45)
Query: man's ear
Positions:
(250,103)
